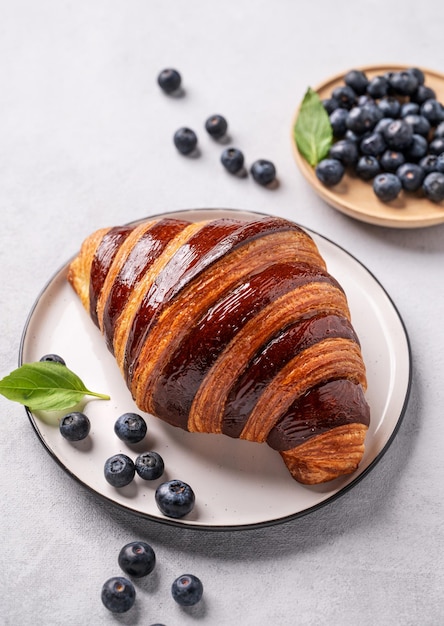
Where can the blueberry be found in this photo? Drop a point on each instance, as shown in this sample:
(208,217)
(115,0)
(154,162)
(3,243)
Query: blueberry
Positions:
(187,590)
(216,126)
(440,163)
(378,87)
(137,559)
(357,80)
(373,145)
(404,83)
(439,130)
(169,80)
(330,104)
(417,149)
(419,123)
(330,172)
(119,470)
(391,160)
(263,172)
(367,167)
(433,186)
(345,95)
(387,186)
(429,163)
(53,358)
(398,135)
(130,427)
(419,74)
(365,99)
(389,106)
(422,94)
(409,108)
(149,465)
(233,160)
(363,118)
(338,122)
(118,594)
(433,111)
(75,426)
(382,124)
(185,140)
(175,498)
(345,151)
(411,176)
(436,146)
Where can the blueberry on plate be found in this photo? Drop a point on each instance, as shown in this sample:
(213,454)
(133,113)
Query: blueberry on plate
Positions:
(433,111)
(119,470)
(439,130)
(130,427)
(363,118)
(382,124)
(53,358)
(169,80)
(232,159)
(387,186)
(419,123)
(398,134)
(418,73)
(404,83)
(417,149)
(175,498)
(391,160)
(263,172)
(330,172)
(373,145)
(357,80)
(216,126)
(187,590)
(367,167)
(330,104)
(429,163)
(345,151)
(378,87)
(75,426)
(185,140)
(433,186)
(137,559)
(345,95)
(389,106)
(436,146)
(409,108)
(149,465)
(422,94)
(118,594)
(411,176)
(338,122)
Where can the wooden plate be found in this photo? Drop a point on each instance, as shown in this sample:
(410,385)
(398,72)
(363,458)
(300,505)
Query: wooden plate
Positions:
(355,197)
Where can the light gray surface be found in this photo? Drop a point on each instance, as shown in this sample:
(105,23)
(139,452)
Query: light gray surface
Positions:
(85,141)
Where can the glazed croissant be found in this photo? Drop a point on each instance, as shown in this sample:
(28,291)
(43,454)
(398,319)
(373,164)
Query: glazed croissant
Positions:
(234,327)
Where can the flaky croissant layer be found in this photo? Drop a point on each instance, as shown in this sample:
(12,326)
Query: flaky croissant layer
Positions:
(235,327)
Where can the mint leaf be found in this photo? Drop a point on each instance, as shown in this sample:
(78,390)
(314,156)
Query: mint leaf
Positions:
(312,130)
(45,385)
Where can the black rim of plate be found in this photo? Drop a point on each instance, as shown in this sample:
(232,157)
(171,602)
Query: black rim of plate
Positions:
(183,523)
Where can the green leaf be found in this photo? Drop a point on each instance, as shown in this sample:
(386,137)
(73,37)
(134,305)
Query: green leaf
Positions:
(45,385)
(312,130)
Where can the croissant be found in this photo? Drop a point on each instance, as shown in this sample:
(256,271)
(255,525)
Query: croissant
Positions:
(234,327)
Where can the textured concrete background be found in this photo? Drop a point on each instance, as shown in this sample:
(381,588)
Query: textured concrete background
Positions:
(85,141)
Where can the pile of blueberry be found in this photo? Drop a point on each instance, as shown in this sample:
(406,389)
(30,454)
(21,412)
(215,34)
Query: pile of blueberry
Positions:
(138,559)
(389,129)
(185,139)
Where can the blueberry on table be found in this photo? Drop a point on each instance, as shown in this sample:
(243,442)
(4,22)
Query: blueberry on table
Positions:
(169,80)
(387,186)
(433,186)
(216,126)
(367,167)
(75,426)
(330,172)
(149,465)
(130,427)
(263,172)
(118,594)
(185,140)
(119,470)
(357,80)
(187,590)
(233,160)
(137,559)
(411,176)
(53,358)
(175,498)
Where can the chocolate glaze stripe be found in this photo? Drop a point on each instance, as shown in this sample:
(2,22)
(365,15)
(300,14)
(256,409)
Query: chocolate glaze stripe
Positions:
(326,360)
(208,406)
(271,358)
(139,251)
(123,323)
(212,242)
(209,336)
(184,311)
(322,408)
(101,263)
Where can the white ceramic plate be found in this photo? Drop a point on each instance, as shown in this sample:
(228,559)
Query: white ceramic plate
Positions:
(355,197)
(238,484)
